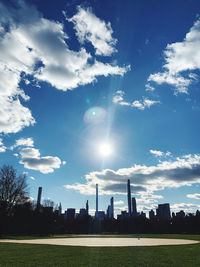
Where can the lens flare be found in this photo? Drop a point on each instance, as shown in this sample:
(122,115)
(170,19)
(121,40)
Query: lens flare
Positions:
(94,115)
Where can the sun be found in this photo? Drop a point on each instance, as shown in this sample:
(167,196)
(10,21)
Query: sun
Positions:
(105,149)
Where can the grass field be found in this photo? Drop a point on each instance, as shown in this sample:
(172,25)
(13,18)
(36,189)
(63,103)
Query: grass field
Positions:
(24,255)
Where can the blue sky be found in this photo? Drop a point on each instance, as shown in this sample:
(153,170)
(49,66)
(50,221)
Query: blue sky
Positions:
(79,74)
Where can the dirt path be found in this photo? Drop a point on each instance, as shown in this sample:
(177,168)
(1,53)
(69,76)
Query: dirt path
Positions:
(105,242)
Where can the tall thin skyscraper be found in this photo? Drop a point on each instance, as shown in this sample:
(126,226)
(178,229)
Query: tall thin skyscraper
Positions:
(129,197)
(39,196)
(96,200)
(134,207)
(60,209)
(111,207)
(87,208)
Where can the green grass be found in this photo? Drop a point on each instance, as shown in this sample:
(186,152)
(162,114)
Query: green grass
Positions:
(26,255)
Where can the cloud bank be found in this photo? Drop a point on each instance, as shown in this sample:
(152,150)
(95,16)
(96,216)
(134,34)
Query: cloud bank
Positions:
(183,171)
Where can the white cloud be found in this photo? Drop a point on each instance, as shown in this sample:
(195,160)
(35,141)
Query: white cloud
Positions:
(92,212)
(176,80)
(119,209)
(61,67)
(187,207)
(90,28)
(118,98)
(147,198)
(31,159)
(149,87)
(158,153)
(34,45)
(23,142)
(32,178)
(119,202)
(145,103)
(194,196)
(2,147)
(181,58)
(14,116)
(183,171)
(64,162)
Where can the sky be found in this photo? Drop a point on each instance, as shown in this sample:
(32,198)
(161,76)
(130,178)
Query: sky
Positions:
(101,92)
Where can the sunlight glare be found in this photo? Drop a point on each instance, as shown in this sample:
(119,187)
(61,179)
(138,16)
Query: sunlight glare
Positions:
(105,149)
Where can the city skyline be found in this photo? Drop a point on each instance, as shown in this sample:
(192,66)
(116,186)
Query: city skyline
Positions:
(162,212)
(102,92)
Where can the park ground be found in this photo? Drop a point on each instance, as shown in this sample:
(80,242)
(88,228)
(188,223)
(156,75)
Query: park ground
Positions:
(28,255)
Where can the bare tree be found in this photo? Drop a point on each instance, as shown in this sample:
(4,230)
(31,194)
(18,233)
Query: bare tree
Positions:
(13,188)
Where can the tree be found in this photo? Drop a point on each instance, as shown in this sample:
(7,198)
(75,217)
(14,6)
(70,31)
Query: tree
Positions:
(13,188)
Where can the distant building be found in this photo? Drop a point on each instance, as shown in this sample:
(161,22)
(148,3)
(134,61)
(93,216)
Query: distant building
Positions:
(110,209)
(60,209)
(39,197)
(97,208)
(134,207)
(124,214)
(82,213)
(100,215)
(129,196)
(70,213)
(87,208)
(163,212)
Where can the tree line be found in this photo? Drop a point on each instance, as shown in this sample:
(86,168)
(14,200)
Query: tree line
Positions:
(20,216)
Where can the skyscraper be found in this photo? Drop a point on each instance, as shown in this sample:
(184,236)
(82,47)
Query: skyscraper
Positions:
(163,212)
(39,197)
(129,197)
(112,207)
(60,209)
(87,208)
(134,207)
(70,213)
(110,210)
(96,213)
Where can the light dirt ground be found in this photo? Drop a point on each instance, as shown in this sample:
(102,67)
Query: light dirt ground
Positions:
(105,242)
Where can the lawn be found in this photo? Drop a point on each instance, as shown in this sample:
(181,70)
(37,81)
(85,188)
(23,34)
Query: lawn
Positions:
(26,255)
